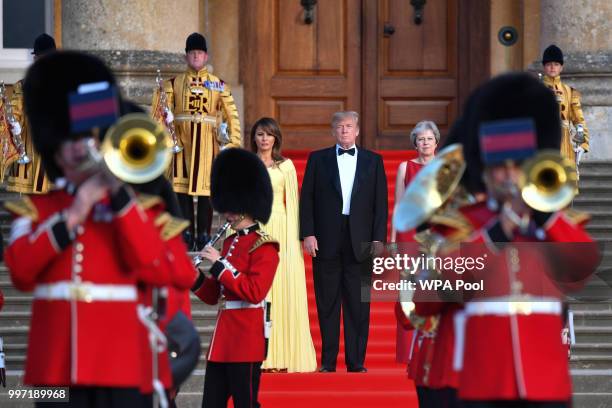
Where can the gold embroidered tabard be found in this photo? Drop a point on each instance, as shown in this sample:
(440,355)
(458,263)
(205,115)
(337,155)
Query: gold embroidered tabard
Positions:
(571,115)
(200,102)
(27,178)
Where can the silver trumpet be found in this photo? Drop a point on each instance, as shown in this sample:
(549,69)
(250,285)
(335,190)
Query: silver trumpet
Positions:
(17,141)
(163,104)
(197,260)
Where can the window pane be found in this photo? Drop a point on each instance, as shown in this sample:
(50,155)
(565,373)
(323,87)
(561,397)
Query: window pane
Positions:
(22,22)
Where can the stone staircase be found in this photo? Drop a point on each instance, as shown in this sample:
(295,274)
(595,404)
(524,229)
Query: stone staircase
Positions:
(591,359)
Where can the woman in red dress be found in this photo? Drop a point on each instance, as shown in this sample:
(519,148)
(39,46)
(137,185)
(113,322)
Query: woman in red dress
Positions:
(425,138)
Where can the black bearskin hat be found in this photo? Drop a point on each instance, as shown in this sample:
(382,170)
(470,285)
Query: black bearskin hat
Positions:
(46,87)
(43,44)
(552,54)
(195,41)
(240,184)
(509,96)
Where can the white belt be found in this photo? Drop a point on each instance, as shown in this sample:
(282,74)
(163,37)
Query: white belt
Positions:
(197,118)
(512,308)
(240,304)
(86,292)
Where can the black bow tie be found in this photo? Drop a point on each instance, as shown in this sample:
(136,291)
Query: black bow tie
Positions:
(350,151)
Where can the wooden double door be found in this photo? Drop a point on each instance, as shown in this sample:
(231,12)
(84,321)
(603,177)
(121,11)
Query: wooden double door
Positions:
(363,55)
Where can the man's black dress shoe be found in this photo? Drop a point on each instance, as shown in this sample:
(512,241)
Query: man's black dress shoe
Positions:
(357,370)
(327,370)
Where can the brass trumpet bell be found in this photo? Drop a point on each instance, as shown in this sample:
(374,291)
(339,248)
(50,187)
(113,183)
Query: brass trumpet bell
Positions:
(549,181)
(137,149)
(430,188)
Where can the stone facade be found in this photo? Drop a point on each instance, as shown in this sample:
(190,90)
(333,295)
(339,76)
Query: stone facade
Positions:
(581,28)
(140,36)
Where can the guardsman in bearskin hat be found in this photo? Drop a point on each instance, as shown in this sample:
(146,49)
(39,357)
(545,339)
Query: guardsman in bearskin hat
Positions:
(200,108)
(80,248)
(509,334)
(28,178)
(575,135)
(241,275)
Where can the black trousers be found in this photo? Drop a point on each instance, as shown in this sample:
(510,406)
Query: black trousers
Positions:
(205,212)
(237,380)
(515,404)
(99,397)
(338,283)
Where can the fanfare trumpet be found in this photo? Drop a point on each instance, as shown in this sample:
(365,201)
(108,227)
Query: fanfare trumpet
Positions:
(136,149)
(548,181)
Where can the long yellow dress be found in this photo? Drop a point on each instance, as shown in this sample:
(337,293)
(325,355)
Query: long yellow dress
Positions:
(290,345)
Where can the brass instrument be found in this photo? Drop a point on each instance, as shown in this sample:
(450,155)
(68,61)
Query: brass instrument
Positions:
(163,104)
(17,141)
(430,188)
(197,260)
(549,181)
(428,192)
(136,149)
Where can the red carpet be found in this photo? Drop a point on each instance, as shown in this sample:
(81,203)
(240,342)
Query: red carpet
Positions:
(385,384)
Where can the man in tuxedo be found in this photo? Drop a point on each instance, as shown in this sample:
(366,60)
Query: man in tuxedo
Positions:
(343,210)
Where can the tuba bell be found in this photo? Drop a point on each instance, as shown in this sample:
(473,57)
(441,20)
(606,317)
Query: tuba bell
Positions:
(549,181)
(136,149)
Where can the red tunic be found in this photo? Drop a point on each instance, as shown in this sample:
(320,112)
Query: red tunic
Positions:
(182,278)
(439,356)
(246,276)
(84,328)
(519,354)
(512,350)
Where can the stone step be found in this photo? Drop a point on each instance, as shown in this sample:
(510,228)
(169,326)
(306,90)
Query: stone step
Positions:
(596,290)
(578,306)
(592,349)
(592,400)
(592,334)
(590,361)
(602,230)
(596,318)
(591,381)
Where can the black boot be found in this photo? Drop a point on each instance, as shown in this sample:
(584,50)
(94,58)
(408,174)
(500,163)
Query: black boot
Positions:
(188,239)
(201,241)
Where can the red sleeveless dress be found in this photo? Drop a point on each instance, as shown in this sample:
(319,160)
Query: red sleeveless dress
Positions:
(404,336)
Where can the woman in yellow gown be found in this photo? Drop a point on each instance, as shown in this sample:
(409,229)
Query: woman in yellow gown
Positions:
(290,346)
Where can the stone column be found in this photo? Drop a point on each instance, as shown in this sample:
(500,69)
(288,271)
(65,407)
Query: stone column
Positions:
(135,38)
(581,29)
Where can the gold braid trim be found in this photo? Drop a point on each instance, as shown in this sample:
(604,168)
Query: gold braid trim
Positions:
(576,217)
(23,207)
(170,226)
(263,239)
(454,219)
(147,201)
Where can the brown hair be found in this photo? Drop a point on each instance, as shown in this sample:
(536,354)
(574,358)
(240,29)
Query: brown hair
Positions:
(270,126)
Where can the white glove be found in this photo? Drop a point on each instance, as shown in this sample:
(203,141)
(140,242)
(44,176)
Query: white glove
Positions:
(15,128)
(579,152)
(223,132)
(169,116)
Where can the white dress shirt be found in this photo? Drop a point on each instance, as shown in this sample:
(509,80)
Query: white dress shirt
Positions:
(347,165)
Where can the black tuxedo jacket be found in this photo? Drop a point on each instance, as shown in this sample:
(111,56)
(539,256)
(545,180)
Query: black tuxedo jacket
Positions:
(321,203)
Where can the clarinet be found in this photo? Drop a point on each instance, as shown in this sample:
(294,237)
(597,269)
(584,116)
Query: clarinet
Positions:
(197,260)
